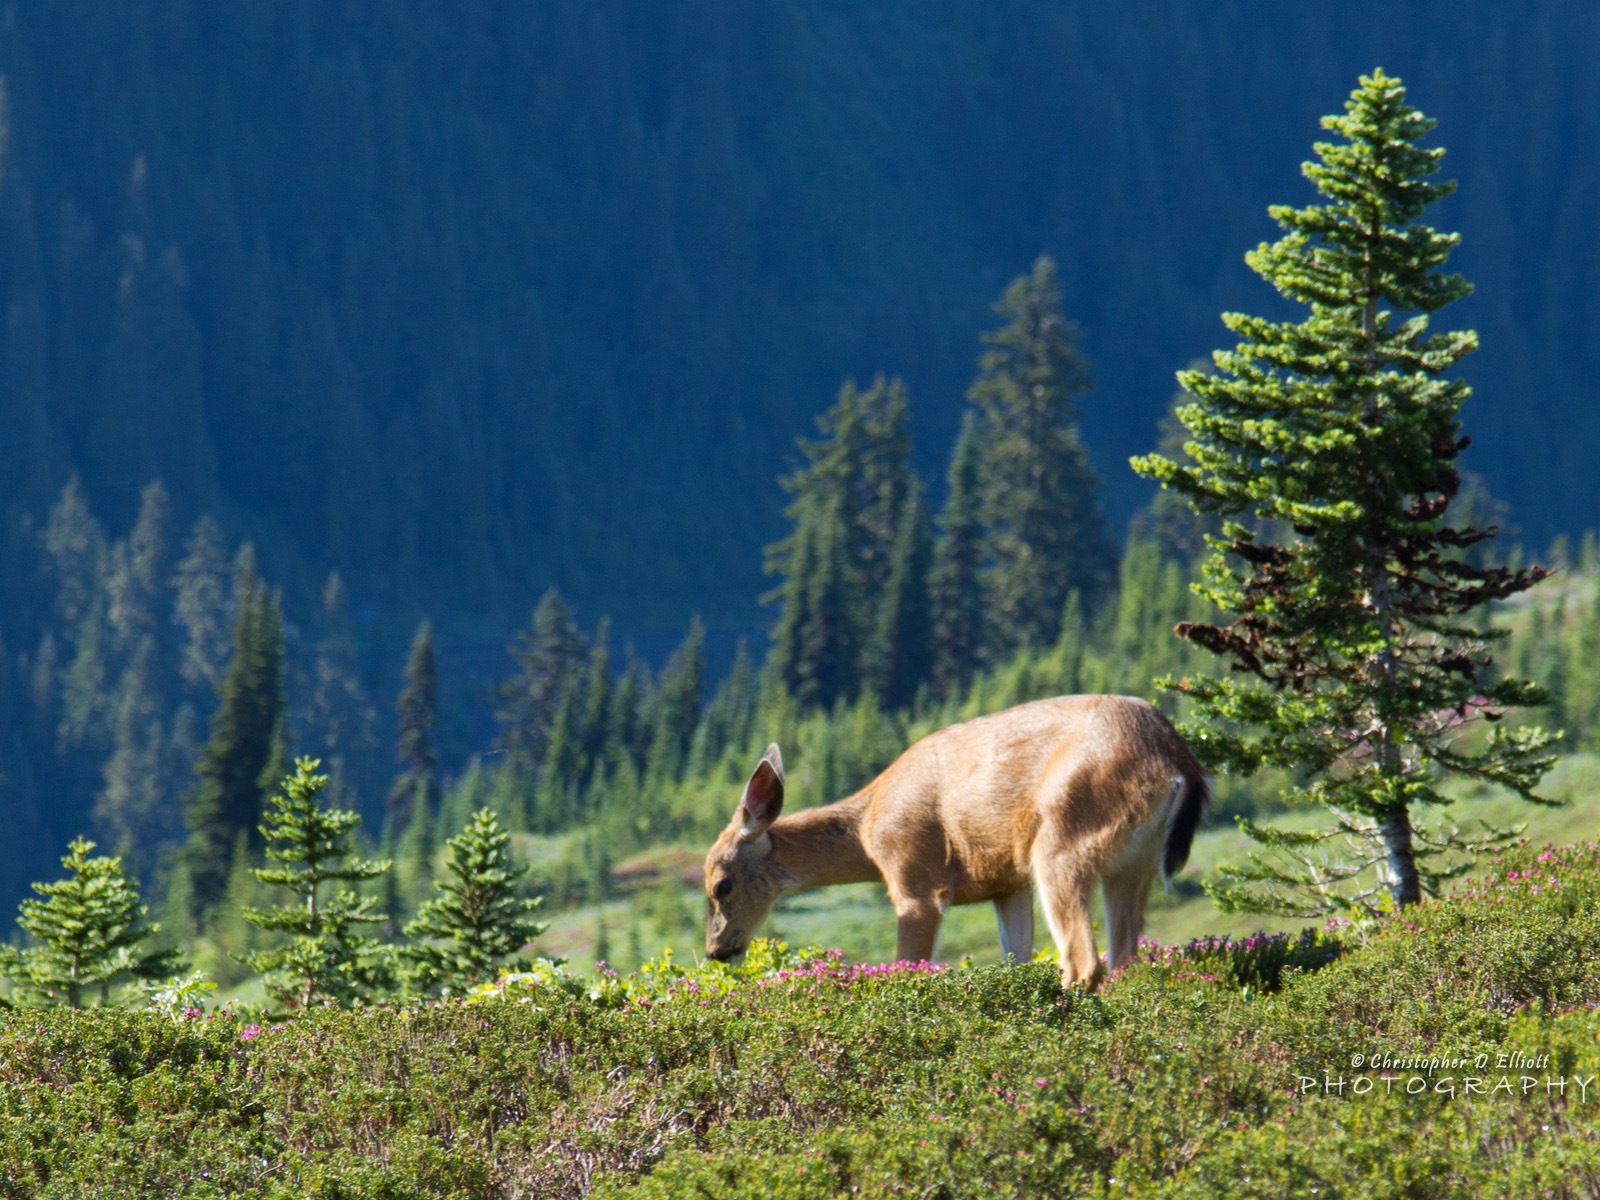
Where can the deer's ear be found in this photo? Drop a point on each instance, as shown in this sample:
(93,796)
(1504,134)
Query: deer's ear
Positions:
(763,796)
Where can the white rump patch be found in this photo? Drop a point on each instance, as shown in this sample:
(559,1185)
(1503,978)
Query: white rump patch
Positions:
(1146,842)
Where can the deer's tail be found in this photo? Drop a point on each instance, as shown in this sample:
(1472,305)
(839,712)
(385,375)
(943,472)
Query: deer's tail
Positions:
(1191,792)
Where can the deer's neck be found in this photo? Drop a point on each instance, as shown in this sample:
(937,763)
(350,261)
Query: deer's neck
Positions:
(821,846)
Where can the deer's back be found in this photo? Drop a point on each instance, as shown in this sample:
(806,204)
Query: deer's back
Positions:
(967,800)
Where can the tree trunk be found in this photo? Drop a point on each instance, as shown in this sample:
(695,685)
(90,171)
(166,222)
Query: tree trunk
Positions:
(1404,885)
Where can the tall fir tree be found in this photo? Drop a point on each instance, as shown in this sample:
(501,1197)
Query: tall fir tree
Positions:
(730,717)
(561,771)
(598,690)
(477,919)
(956,597)
(227,799)
(848,501)
(1043,532)
(89,934)
(549,658)
(828,639)
(625,727)
(678,703)
(416,784)
(897,657)
(326,957)
(1358,647)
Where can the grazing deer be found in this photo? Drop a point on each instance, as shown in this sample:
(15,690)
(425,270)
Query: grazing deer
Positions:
(1050,795)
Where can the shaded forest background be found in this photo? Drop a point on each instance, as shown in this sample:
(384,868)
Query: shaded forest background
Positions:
(464,301)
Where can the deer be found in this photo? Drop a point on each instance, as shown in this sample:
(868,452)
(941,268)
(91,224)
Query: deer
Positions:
(1051,795)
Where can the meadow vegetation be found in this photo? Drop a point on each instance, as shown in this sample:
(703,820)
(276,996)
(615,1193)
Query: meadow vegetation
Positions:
(1203,1069)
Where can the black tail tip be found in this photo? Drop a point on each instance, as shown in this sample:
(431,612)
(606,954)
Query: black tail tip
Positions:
(1180,834)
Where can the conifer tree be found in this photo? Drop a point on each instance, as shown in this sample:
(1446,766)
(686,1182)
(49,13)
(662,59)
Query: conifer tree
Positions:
(413,869)
(624,727)
(679,698)
(1357,646)
(1043,533)
(730,717)
(201,609)
(84,727)
(130,806)
(137,576)
(74,546)
(88,933)
(326,958)
(476,919)
(562,768)
(227,799)
(796,559)
(956,597)
(417,783)
(549,661)
(338,724)
(829,642)
(229,937)
(1169,520)
(896,659)
(835,564)
(598,689)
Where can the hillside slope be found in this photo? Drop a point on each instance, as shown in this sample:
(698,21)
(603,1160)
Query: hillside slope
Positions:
(468,298)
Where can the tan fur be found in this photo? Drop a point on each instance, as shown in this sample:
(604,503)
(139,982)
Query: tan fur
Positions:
(1054,795)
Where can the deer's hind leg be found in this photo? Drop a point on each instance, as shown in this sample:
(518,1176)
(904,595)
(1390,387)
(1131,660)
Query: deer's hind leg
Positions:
(1064,871)
(1127,879)
(1126,893)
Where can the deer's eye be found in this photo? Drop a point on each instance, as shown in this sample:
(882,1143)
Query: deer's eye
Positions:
(723,889)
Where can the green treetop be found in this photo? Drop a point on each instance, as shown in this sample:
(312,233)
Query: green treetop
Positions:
(326,957)
(88,932)
(1329,447)
(476,919)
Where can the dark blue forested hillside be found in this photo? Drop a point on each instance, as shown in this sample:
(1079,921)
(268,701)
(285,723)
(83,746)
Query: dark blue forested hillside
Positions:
(468,298)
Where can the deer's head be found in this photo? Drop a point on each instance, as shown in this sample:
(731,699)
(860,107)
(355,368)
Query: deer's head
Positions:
(741,879)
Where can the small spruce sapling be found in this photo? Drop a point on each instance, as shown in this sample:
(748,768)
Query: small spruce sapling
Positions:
(476,919)
(326,958)
(89,933)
